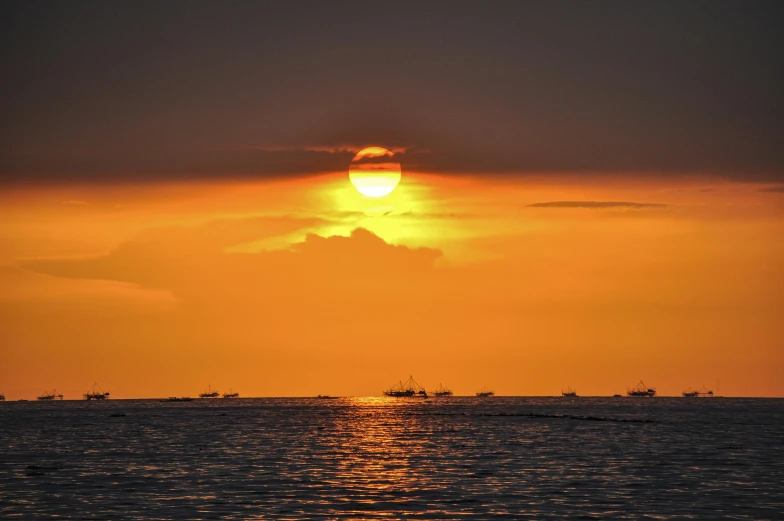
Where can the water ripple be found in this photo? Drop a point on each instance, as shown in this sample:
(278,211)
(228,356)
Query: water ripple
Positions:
(375,458)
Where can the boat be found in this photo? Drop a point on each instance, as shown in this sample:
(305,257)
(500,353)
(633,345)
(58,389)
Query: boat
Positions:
(569,393)
(485,393)
(409,389)
(209,393)
(2,397)
(691,393)
(642,390)
(326,397)
(95,393)
(442,391)
(616,396)
(177,399)
(50,396)
(231,394)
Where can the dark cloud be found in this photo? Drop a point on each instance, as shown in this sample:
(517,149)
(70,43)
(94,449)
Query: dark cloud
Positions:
(119,165)
(693,190)
(379,159)
(140,91)
(596,204)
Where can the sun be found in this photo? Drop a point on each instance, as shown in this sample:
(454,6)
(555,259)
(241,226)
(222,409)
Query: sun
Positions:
(374,172)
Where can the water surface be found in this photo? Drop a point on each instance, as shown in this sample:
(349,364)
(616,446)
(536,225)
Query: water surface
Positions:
(368,458)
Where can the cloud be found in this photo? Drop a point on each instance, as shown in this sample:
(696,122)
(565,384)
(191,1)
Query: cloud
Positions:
(120,165)
(193,261)
(26,291)
(171,256)
(171,162)
(693,190)
(362,250)
(484,104)
(596,204)
(773,189)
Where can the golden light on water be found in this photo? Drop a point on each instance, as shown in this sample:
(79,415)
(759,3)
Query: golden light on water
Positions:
(374,172)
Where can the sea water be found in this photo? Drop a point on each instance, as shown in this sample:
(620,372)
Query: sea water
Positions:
(378,458)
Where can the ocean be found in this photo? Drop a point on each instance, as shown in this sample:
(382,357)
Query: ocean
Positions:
(380,458)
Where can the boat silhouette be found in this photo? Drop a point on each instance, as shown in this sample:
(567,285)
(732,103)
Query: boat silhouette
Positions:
(691,393)
(485,393)
(231,394)
(2,397)
(209,393)
(46,395)
(642,390)
(442,391)
(569,393)
(95,393)
(409,389)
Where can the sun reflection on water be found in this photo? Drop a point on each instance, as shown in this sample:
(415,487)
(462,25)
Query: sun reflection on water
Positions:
(381,458)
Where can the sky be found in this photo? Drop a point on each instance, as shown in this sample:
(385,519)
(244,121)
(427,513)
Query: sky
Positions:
(592,194)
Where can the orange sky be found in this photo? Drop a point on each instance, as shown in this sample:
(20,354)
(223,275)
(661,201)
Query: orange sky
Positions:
(301,287)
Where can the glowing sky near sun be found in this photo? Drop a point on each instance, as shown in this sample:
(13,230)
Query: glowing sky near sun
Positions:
(306,286)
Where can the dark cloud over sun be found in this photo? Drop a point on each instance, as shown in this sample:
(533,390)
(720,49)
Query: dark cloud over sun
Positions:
(143,91)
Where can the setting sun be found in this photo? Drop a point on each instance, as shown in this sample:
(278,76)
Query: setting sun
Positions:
(374,172)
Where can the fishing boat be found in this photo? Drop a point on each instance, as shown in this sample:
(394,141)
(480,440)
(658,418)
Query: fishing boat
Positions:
(95,393)
(2,397)
(326,397)
(46,396)
(616,396)
(209,393)
(690,393)
(409,389)
(642,390)
(442,391)
(702,392)
(569,393)
(485,393)
(231,394)
(177,399)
